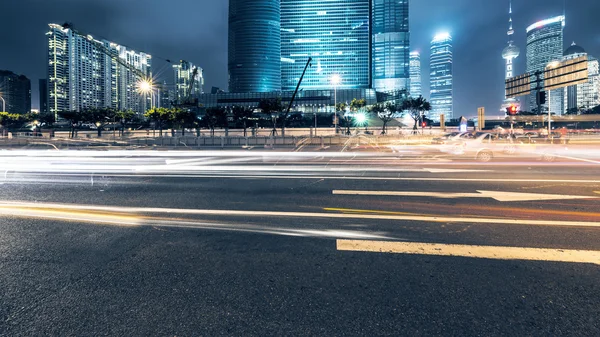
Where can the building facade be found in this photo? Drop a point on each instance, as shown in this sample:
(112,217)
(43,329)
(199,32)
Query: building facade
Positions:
(441,87)
(254,56)
(184,73)
(415,88)
(390,45)
(83,73)
(585,95)
(16,92)
(545,45)
(43,92)
(306,101)
(335,33)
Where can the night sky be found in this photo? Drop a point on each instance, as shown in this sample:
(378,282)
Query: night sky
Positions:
(196,30)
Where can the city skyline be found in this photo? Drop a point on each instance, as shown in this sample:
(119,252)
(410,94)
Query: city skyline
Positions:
(205,42)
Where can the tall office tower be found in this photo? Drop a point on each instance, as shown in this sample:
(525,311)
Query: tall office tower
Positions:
(335,33)
(585,95)
(509,54)
(184,73)
(545,45)
(83,73)
(254,46)
(43,91)
(441,77)
(164,96)
(16,92)
(390,45)
(416,89)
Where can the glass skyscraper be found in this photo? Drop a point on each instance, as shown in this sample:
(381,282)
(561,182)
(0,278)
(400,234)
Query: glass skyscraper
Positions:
(415,88)
(335,33)
(441,77)
(545,45)
(390,45)
(254,46)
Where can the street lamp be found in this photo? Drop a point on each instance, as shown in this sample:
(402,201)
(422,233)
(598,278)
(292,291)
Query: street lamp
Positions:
(3,104)
(335,80)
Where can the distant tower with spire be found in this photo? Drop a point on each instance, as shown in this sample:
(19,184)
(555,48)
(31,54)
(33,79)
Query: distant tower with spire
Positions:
(509,54)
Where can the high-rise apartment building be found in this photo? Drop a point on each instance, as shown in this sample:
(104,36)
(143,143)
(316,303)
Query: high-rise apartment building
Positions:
(415,88)
(184,73)
(336,34)
(390,45)
(254,46)
(441,87)
(16,92)
(83,73)
(585,95)
(545,45)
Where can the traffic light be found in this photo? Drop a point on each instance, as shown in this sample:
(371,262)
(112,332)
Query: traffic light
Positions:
(541,97)
(424,124)
(511,110)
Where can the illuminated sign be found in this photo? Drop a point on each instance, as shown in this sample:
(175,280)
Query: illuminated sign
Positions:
(567,73)
(518,86)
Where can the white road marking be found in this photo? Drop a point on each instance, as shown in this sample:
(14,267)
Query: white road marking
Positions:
(7,206)
(483,252)
(497,195)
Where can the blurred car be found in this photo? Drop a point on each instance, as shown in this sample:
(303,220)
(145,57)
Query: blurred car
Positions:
(483,146)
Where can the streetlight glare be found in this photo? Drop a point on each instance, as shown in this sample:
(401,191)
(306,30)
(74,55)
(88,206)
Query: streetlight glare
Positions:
(360,119)
(145,86)
(336,79)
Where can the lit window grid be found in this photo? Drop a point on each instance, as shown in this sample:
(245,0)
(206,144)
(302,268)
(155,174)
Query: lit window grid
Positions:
(254,59)
(335,34)
(441,79)
(390,45)
(81,76)
(544,45)
(416,89)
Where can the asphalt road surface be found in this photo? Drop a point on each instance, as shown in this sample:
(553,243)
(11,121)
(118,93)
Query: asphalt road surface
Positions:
(297,243)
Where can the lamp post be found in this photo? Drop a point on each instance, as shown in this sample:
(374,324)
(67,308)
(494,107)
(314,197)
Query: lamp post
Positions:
(3,104)
(335,80)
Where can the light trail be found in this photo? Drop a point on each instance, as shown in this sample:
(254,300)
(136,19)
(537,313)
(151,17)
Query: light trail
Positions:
(8,206)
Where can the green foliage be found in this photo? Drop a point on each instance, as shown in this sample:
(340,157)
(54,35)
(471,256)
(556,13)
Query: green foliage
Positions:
(341,107)
(417,108)
(270,105)
(13,121)
(215,117)
(357,104)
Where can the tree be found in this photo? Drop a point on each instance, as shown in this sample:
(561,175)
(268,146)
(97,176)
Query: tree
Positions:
(242,114)
(160,116)
(214,117)
(125,117)
(46,119)
(417,108)
(185,118)
(385,113)
(74,117)
(100,116)
(273,107)
(13,121)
